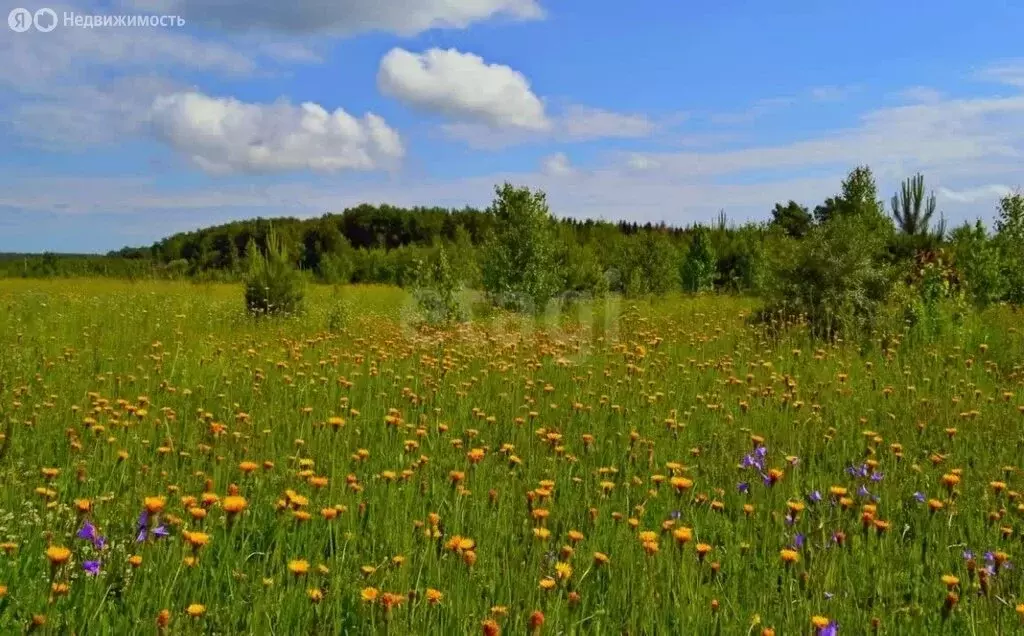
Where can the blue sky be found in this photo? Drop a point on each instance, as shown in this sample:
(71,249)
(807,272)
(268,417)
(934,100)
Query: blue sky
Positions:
(651,111)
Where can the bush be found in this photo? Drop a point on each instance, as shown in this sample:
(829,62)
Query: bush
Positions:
(437,290)
(835,278)
(272,284)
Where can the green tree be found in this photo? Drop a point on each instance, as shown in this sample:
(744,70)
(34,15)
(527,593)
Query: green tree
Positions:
(272,284)
(520,269)
(1010,241)
(976,257)
(701,263)
(837,277)
(793,218)
(911,209)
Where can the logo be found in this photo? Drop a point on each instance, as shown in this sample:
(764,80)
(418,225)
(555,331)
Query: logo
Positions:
(45,20)
(21,20)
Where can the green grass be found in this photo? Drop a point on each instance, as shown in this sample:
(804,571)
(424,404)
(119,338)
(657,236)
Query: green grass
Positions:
(681,380)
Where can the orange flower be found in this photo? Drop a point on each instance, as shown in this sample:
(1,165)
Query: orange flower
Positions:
(234,504)
(154,505)
(536,620)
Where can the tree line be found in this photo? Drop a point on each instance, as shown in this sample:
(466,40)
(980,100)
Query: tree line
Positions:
(835,264)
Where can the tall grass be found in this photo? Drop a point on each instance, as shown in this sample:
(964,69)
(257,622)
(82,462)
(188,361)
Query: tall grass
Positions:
(162,389)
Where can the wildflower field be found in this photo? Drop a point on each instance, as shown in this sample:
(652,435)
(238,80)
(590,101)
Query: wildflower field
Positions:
(170,465)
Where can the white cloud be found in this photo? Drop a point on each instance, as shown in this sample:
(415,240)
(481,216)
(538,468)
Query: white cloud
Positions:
(581,122)
(640,163)
(972,195)
(343,17)
(897,139)
(462,86)
(1009,72)
(557,165)
(223,135)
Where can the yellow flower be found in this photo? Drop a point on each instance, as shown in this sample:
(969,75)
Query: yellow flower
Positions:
(369,594)
(819,622)
(950,580)
(563,570)
(298,567)
(789,556)
(195,610)
(58,555)
(434,596)
(547,583)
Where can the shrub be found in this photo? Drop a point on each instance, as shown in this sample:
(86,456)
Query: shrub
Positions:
(437,290)
(272,284)
(837,277)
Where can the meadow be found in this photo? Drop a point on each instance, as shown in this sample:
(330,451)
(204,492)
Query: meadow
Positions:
(170,464)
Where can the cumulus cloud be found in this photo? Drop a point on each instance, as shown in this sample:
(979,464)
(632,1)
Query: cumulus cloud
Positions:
(556,165)
(224,135)
(343,17)
(462,86)
(492,106)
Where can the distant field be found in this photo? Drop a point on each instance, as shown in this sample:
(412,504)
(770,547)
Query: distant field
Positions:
(635,467)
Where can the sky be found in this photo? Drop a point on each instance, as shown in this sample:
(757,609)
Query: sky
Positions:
(646,110)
